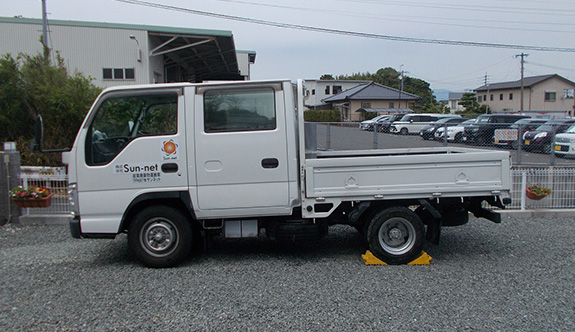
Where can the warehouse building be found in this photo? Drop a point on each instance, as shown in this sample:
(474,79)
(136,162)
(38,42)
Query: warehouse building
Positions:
(124,54)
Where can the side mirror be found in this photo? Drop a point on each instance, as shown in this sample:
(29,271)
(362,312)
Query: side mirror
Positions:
(36,144)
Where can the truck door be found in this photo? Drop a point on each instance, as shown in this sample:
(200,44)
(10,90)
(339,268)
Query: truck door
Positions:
(133,143)
(241,151)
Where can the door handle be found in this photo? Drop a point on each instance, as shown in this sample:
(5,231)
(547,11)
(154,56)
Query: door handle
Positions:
(170,168)
(270,163)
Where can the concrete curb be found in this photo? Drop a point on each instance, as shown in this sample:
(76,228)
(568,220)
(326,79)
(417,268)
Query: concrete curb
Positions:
(36,220)
(539,213)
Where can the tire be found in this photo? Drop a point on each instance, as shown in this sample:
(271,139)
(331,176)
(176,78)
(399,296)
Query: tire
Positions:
(458,138)
(160,236)
(404,131)
(396,235)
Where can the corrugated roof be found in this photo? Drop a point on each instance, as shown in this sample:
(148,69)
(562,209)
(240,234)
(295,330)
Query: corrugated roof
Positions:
(371,91)
(154,28)
(527,82)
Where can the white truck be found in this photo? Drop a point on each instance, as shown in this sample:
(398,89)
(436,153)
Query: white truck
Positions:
(176,164)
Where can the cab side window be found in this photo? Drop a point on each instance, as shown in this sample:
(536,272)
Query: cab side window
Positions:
(119,120)
(239,110)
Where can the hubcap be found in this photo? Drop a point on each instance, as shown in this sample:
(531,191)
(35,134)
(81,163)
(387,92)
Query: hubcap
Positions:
(159,237)
(396,236)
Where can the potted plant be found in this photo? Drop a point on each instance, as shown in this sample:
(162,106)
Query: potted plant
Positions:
(536,192)
(31,197)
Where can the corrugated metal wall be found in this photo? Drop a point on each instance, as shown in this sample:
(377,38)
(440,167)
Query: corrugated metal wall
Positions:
(87,49)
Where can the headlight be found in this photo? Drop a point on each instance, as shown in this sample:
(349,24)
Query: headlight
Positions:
(73,198)
(541,135)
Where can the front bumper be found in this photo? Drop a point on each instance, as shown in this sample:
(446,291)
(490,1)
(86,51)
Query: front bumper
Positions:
(75,229)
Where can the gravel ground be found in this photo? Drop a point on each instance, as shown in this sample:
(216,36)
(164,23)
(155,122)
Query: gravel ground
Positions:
(516,276)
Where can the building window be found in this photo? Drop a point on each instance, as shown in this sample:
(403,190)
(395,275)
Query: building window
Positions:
(550,96)
(313,92)
(327,90)
(478,99)
(500,96)
(490,97)
(365,104)
(511,96)
(129,73)
(118,73)
(485,98)
(336,89)
(107,73)
(391,104)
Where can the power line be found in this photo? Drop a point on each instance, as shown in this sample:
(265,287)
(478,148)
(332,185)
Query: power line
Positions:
(349,33)
(413,19)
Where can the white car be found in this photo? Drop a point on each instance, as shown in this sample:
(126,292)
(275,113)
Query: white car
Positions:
(413,123)
(565,143)
(455,133)
(368,124)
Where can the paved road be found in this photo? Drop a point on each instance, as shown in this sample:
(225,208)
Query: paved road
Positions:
(515,276)
(350,138)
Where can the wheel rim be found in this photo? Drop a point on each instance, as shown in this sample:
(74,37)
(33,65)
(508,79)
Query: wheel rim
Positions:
(159,237)
(396,236)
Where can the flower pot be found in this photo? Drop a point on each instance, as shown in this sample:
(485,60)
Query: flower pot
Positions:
(534,196)
(33,202)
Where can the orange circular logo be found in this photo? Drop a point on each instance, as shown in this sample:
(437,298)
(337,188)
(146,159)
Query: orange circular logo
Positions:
(169,147)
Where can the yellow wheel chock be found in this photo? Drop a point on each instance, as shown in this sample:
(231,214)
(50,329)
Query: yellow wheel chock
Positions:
(370,259)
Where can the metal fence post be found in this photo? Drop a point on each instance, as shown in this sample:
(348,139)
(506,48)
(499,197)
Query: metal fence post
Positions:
(375,140)
(328,137)
(523,189)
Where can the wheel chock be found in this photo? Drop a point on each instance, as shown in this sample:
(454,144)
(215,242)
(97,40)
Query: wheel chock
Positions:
(370,259)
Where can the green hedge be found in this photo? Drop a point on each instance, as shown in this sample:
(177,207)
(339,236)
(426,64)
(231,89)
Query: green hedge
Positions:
(321,116)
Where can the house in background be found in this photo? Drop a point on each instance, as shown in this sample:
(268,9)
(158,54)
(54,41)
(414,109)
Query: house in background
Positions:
(124,54)
(317,90)
(542,95)
(453,99)
(369,96)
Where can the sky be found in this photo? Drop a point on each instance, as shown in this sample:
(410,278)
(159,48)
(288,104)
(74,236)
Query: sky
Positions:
(406,35)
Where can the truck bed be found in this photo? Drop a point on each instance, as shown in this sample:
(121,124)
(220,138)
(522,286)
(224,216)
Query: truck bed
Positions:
(406,173)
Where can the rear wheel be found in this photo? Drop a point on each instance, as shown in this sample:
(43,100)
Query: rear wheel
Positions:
(396,235)
(160,236)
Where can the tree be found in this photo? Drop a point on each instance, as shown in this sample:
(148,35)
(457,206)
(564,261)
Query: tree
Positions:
(469,101)
(326,77)
(34,85)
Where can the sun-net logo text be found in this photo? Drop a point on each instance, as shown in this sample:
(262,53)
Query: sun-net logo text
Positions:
(141,172)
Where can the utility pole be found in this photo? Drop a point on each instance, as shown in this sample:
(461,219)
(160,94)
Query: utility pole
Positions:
(487,95)
(522,56)
(44,25)
(400,84)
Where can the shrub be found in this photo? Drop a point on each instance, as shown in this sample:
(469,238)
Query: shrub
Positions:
(322,116)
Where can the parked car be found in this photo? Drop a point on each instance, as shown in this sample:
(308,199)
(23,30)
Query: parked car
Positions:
(368,124)
(413,123)
(565,143)
(540,138)
(482,131)
(385,125)
(428,132)
(455,133)
(510,137)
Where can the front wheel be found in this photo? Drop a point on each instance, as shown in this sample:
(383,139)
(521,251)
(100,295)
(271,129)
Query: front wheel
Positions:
(160,236)
(396,235)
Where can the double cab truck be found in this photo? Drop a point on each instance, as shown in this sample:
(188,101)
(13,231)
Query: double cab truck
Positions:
(173,165)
